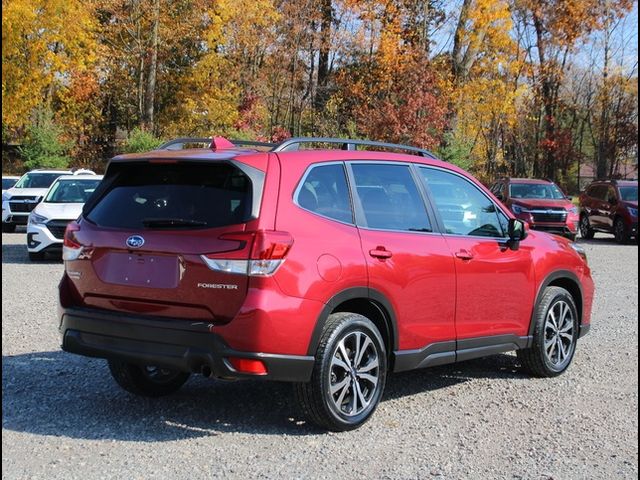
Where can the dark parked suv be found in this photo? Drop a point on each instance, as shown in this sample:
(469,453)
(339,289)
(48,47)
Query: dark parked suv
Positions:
(540,203)
(327,268)
(610,207)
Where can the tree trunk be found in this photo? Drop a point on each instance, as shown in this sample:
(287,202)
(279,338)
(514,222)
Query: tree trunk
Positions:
(603,141)
(149,99)
(547,92)
(322,95)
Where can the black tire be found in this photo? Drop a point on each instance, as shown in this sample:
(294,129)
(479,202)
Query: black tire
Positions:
(572,237)
(36,256)
(8,227)
(539,359)
(147,381)
(620,231)
(586,231)
(315,398)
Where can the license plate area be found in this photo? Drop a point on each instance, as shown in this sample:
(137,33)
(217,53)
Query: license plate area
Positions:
(140,270)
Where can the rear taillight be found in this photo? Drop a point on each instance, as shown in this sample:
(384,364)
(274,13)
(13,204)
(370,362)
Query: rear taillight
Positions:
(266,251)
(71,248)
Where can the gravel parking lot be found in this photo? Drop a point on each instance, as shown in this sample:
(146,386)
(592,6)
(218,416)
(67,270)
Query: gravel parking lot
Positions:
(64,417)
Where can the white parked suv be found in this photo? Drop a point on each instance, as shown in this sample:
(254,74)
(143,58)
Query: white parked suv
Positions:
(22,198)
(8,181)
(62,204)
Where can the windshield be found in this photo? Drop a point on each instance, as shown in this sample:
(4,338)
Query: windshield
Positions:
(7,183)
(37,180)
(629,194)
(71,191)
(545,191)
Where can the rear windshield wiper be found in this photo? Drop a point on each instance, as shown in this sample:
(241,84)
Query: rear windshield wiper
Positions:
(172,222)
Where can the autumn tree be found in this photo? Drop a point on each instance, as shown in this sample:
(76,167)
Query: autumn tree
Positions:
(45,45)
(556,28)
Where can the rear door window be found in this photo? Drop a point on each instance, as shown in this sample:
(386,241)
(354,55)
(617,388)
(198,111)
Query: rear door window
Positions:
(182,195)
(390,198)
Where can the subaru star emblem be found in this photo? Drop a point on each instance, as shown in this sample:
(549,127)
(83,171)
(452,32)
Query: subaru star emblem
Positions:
(135,241)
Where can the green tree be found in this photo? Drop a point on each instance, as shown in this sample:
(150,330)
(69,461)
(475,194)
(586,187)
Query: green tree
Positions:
(141,141)
(44,146)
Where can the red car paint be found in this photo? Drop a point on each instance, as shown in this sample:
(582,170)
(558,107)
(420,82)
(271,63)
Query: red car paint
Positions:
(532,210)
(610,207)
(434,287)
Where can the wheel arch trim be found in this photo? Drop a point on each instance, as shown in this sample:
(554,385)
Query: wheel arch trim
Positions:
(376,299)
(553,277)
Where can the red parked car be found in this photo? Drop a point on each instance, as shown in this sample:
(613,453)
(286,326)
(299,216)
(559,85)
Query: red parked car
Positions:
(540,203)
(326,268)
(610,206)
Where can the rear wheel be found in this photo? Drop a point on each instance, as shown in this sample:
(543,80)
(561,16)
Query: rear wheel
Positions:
(147,380)
(8,227)
(555,334)
(620,231)
(586,231)
(349,374)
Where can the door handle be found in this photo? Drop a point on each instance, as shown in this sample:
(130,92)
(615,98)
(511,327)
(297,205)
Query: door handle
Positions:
(381,253)
(464,254)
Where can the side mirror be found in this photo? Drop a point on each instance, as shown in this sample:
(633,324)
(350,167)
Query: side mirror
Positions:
(517,233)
(570,199)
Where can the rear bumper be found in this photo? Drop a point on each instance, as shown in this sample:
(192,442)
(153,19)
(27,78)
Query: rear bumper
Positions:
(178,344)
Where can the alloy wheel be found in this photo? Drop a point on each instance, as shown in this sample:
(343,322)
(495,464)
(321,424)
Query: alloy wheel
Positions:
(354,372)
(559,334)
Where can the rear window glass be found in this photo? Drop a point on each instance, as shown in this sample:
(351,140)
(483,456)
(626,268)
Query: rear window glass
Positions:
(156,196)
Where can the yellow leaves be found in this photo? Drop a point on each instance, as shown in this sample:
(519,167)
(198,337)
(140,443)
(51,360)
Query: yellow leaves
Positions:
(43,41)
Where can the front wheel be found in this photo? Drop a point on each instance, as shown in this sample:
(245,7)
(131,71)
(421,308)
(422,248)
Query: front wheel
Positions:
(349,374)
(586,231)
(556,324)
(147,380)
(620,231)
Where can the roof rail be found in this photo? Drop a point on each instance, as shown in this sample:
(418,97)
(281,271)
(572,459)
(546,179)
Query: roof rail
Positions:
(293,144)
(177,144)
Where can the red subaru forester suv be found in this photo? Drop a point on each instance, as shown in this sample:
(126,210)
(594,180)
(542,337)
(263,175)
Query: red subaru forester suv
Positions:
(327,268)
(540,203)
